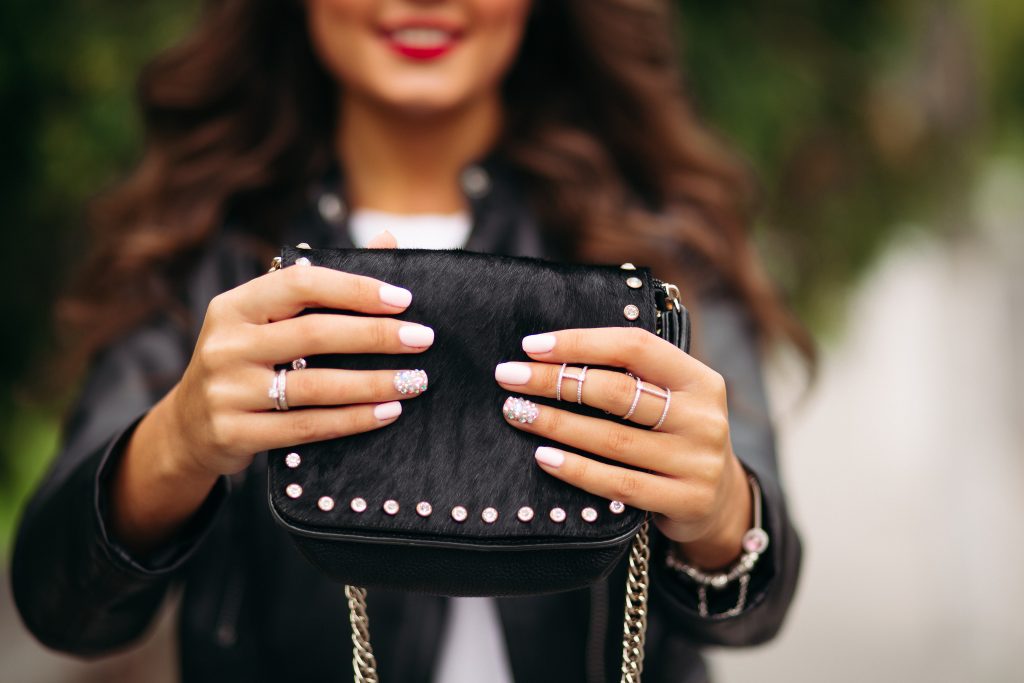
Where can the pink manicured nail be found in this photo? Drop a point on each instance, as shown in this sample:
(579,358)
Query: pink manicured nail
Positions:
(538,343)
(416,336)
(552,457)
(395,296)
(512,373)
(387,411)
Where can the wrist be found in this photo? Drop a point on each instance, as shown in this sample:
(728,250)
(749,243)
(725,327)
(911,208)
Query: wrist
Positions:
(721,546)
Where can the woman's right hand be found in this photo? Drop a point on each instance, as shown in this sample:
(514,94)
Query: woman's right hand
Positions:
(221,411)
(220,414)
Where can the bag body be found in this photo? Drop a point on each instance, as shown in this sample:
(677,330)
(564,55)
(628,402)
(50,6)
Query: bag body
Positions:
(436,502)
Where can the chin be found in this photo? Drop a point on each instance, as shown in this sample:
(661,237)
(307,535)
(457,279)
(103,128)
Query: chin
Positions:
(423,101)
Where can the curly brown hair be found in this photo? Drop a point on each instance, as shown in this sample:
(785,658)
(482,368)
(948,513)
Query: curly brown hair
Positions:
(240,117)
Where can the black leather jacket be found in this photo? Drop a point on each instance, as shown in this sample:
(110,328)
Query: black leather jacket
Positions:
(254,610)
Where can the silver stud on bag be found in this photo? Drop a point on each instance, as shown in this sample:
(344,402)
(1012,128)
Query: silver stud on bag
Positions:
(617,507)
(302,261)
(631,312)
(557,515)
(489,515)
(423,508)
(390,506)
(627,266)
(293,490)
(326,503)
(293,460)
(358,505)
(634,283)
(525,513)
(303,245)
(459,513)
(589,515)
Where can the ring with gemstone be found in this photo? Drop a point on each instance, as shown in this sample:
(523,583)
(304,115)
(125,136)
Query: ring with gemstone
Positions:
(277,390)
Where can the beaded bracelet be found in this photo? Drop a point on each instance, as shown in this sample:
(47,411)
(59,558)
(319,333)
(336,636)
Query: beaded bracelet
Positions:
(754,542)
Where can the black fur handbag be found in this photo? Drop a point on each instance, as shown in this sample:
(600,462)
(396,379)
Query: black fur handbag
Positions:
(448,499)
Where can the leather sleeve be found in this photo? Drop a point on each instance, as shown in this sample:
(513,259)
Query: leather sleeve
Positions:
(77,590)
(727,342)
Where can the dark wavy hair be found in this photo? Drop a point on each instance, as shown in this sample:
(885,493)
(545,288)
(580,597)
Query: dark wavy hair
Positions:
(239,120)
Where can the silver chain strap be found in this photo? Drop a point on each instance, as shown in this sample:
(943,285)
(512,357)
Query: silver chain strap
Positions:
(364,665)
(634,624)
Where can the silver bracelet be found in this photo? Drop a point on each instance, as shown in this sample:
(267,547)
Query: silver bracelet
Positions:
(754,542)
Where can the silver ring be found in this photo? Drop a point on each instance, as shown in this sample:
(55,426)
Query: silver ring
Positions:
(277,390)
(579,385)
(664,412)
(580,379)
(636,399)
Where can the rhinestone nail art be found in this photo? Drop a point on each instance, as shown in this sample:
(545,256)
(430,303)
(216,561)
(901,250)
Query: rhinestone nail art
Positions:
(520,410)
(412,382)
(293,460)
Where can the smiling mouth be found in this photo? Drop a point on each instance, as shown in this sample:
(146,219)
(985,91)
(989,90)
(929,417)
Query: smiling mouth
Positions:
(421,43)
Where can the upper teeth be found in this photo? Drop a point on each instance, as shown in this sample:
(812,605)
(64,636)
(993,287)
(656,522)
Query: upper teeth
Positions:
(421,37)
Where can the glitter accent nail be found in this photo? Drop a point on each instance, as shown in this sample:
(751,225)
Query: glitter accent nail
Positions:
(520,410)
(410,382)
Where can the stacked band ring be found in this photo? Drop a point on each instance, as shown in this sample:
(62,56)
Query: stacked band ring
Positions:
(580,379)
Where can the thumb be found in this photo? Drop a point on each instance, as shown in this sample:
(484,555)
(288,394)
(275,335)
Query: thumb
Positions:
(382,240)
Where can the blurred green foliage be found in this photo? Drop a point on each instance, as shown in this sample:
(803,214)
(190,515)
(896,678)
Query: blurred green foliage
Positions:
(858,116)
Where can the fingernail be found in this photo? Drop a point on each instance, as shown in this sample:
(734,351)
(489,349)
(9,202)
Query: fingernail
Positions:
(520,410)
(416,336)
(395,296)
(387,411)
(302,261)
(410,382)
(552,457)
(538,343)
(512,373)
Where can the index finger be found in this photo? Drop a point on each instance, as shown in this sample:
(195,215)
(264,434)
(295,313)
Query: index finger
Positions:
(284,293)
(639,351)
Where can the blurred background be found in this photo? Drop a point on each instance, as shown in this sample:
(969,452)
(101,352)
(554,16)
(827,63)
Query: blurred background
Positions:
(889,138)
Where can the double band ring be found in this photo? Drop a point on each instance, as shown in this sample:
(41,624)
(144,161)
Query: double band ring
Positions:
(642,388)
(277,390)
(580,379)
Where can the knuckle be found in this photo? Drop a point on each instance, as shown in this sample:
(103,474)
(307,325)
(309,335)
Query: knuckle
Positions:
(620,440)
(381,333)
(627,486)
(305,426)
(301,281)
(622,387)
(381,390)
(218,306)
(220,431)
(717,386)
(554,420)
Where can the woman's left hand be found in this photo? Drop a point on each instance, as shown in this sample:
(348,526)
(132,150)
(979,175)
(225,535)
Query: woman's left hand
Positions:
(686,472)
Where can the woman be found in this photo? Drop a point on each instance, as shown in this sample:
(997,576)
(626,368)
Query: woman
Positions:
(550,129)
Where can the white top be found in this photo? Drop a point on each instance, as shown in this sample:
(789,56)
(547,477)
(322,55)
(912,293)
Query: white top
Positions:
(473,645)
(413,231)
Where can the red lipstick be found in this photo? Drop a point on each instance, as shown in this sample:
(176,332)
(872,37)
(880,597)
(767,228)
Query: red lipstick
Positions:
(421,40)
